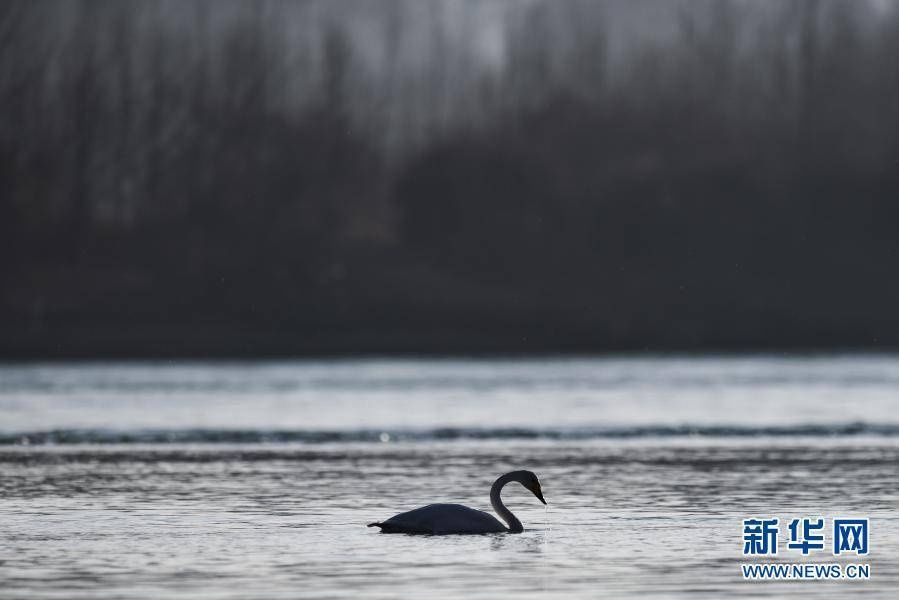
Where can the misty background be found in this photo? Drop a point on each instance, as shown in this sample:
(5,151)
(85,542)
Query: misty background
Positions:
(199,177)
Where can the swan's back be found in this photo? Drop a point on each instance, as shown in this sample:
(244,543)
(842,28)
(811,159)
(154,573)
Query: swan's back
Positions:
(439,519)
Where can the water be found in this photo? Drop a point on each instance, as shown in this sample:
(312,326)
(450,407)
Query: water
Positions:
(256,480)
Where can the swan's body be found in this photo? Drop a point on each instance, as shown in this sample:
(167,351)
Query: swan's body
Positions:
(440,519)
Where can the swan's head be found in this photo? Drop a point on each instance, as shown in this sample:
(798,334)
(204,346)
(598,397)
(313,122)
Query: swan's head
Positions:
(530,482)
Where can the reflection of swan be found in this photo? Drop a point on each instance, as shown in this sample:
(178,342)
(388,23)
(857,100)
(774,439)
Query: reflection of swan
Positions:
(454,518)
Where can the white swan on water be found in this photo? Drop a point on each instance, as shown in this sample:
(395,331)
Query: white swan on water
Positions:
(439,519)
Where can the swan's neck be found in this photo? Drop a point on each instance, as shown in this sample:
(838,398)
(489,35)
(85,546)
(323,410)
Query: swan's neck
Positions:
(500,508)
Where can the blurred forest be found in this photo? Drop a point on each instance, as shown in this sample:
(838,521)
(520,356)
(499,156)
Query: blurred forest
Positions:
(220,177)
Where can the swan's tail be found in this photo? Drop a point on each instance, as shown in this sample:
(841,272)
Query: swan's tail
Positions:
(375,525)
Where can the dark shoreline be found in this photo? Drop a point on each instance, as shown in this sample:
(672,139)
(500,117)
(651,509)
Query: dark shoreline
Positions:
(175,343)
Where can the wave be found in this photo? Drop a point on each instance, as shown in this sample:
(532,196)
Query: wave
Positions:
(262,436)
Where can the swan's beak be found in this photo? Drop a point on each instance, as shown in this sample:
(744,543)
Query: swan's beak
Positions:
(539,493)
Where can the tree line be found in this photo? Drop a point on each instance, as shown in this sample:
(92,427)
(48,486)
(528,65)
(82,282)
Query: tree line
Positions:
(241,178)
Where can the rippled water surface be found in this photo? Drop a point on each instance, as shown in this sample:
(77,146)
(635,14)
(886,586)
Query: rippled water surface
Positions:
(649,467)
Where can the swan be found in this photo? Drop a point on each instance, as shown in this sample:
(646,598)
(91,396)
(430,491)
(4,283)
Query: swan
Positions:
(440,519)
